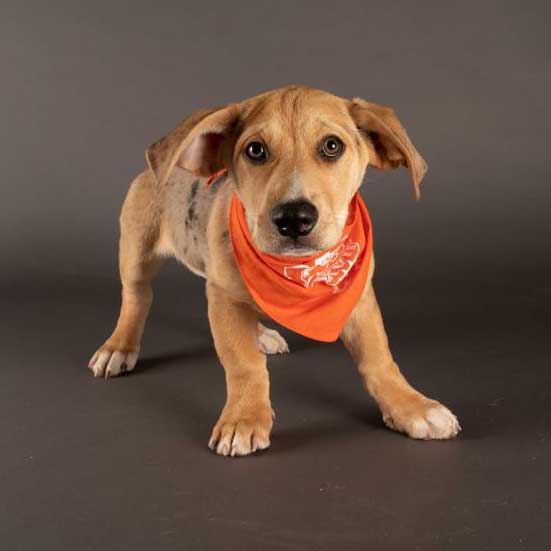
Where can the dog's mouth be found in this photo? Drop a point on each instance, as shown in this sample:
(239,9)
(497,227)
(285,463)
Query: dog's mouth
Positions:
(286,246)
(271,242)
(324,236)
(269,239)
(316,242)
(297,247)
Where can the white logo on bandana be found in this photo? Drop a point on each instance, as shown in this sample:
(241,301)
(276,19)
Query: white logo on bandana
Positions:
(329,268)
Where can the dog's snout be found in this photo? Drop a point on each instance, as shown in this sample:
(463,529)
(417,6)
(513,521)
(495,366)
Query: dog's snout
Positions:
(295,218)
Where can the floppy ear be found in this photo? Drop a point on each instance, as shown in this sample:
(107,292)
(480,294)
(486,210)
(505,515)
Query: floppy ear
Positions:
(195,144)
(387,140)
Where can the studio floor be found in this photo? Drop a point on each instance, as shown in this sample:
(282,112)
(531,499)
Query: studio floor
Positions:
(123,464)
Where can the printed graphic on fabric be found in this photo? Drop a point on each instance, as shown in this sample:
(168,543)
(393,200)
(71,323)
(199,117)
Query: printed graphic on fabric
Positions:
(330,268)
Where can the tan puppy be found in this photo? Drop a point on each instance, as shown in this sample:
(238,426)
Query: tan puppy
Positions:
(288,145)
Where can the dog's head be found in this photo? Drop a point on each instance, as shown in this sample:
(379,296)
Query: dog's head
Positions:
(296,156)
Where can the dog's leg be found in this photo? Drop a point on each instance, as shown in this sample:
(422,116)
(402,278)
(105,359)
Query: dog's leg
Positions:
(138,265)
(120,351)
(270,341)
(246,420)
(403,408)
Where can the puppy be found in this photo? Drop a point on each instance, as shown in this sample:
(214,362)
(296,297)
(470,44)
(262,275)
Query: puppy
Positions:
(290,146)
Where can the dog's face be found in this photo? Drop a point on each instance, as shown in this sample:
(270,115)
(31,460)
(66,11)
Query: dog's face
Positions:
(296,155)
(297,160)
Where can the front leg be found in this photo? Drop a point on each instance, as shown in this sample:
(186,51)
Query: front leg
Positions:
(246,420)
(403,408)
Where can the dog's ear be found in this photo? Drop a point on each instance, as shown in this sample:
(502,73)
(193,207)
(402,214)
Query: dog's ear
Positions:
(195,144)
(387,140)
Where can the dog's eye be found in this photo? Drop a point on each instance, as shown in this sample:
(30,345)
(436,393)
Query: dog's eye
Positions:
(256,152)
(331,148)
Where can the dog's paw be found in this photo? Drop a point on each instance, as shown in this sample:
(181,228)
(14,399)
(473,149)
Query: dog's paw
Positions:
(270,341)
(107,362)
(428,420)
(236,435)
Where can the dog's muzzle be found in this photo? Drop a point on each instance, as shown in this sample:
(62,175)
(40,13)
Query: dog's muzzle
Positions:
(295,218)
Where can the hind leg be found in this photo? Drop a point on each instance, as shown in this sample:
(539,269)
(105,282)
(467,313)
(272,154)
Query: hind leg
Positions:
(120,351)
(138,265)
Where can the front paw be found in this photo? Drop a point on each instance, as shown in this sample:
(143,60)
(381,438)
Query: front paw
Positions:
(423,419)
(242,431)
(109,361)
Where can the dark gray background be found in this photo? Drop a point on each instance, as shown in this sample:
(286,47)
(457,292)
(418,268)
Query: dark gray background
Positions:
(463,278)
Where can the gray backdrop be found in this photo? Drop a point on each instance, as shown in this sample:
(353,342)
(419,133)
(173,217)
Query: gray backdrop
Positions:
(87,88)
(462,277)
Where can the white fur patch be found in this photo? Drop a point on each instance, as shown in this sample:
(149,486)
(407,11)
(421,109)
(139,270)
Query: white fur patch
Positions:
(110,363)
(437,423)
(271,342)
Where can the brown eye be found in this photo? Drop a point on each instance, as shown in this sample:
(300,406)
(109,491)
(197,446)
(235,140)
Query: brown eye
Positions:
(332,148)
(256,152)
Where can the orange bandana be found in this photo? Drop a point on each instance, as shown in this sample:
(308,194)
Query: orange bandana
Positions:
(311,295)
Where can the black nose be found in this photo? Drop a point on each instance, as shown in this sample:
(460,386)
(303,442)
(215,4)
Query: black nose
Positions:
(295,218)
